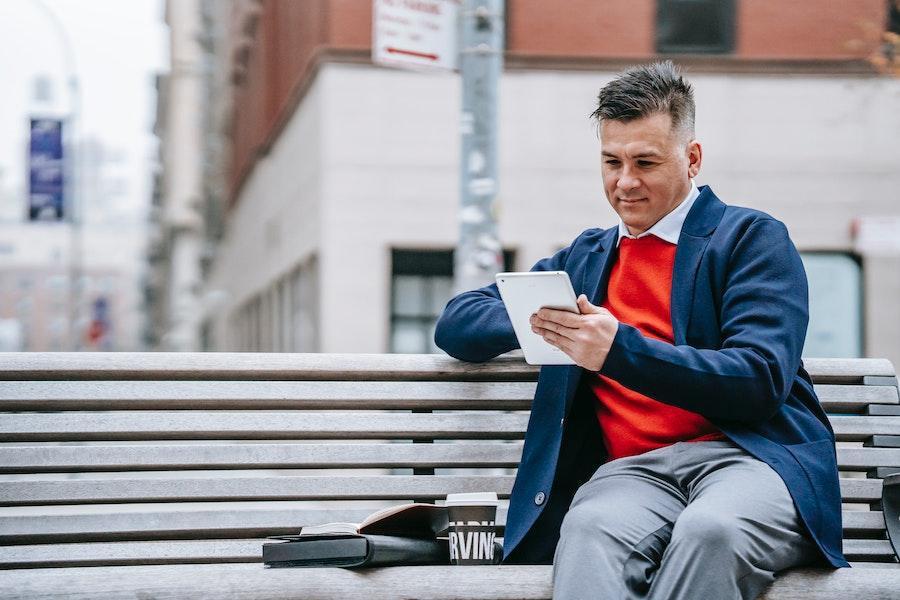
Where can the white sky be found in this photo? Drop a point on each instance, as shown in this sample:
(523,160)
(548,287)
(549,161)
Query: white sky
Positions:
(118,46)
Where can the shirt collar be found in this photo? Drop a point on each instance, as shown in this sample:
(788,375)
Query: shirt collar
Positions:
(669,227)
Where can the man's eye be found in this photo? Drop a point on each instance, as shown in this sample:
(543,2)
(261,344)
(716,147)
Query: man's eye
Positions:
(645,163)
(613,162)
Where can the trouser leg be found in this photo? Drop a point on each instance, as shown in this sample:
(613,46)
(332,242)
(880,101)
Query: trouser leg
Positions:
(739,528)
(616,529)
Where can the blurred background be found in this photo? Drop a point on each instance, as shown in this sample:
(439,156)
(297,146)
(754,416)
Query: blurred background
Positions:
(239,175)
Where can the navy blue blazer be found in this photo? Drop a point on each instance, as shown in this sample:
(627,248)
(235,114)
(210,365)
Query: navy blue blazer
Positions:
(739,317)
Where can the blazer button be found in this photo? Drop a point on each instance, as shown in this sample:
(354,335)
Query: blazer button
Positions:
(539,498)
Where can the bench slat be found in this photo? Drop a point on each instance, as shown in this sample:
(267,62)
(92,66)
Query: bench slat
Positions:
(358,367)
(862,459)
(185,522)
(320,395)
(855,429)
(131,553)
(854,398)
(181,425)
(41,491)
(226,522)
(259,425)
(393,487)
(525,582)
(231,395)
(94,458)
(847,370)
(868,549)
(62,459)
(270,366)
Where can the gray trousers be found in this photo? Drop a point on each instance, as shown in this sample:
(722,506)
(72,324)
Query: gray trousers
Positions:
(693,520)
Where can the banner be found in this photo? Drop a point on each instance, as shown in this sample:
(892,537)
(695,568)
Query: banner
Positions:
(45,165)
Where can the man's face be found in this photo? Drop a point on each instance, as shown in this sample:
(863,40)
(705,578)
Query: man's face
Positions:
(647,167)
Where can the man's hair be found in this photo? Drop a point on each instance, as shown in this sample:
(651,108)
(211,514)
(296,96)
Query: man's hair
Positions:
(646,90)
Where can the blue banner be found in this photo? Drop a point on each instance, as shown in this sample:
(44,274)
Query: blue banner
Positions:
(45,164)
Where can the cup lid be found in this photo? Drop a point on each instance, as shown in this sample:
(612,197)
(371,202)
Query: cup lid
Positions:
(471,499)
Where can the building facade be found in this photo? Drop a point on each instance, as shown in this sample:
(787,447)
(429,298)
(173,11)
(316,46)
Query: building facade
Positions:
(338,213)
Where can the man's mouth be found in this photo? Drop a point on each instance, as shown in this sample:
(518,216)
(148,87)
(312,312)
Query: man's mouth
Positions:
(631,200)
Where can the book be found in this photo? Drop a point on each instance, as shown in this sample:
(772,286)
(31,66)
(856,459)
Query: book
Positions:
(355,550)
(405,520)
(360,550)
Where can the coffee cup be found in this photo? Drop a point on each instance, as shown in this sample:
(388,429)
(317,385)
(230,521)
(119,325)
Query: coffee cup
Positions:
(473,527)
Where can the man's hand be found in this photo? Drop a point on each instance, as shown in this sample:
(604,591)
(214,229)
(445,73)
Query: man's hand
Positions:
(586,338)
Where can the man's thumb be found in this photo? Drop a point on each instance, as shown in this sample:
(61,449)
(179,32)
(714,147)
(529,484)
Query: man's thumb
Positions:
(585,307)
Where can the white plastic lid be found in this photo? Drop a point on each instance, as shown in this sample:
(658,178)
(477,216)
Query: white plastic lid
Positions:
(472,499)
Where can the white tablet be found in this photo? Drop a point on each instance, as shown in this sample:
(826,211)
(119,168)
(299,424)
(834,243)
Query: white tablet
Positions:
(526,293)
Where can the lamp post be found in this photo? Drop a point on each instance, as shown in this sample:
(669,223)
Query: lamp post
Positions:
(73,196)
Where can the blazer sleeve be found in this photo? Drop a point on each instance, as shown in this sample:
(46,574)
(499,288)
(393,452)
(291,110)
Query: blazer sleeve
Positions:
(475,326)
(763,320)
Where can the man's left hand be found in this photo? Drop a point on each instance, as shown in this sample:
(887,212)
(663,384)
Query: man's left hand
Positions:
(586,338)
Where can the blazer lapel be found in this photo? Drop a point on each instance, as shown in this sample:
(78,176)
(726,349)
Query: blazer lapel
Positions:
(687,259)
(696,232)
(598,266)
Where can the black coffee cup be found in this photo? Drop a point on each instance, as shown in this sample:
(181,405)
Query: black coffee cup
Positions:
(472,527)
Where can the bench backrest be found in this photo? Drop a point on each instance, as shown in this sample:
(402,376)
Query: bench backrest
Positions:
(167,458)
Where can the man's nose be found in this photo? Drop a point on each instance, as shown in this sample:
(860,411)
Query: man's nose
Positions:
(627,181)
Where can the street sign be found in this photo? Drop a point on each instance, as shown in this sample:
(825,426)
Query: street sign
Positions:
(415,34)
(45,165)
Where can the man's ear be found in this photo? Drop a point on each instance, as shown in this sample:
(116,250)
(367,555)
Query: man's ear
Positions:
(695,157)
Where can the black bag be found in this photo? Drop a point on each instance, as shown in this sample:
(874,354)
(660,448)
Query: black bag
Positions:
(890,503)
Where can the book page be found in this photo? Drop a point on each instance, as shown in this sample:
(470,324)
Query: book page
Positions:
(329,528)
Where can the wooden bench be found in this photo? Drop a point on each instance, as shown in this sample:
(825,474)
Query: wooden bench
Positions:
(159,475)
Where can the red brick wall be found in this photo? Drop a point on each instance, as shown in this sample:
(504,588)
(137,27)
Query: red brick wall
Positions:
(805,29)
(581,28)
(350,24)
(288,36)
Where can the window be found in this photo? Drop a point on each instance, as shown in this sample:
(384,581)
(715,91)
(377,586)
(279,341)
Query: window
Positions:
(835,305)
(422,283)
(695,26)
(304,308)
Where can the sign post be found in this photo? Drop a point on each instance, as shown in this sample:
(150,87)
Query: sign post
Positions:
(466,35)
(479,255)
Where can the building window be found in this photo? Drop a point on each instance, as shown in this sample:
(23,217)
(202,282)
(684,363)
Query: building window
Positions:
(422,283)
(835,305)
(283,317)
(303,308)
(695,26)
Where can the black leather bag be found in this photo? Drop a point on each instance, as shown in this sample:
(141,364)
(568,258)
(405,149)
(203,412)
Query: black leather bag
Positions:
(890,502)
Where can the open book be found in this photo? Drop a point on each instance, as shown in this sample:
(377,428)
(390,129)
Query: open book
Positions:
(408,520)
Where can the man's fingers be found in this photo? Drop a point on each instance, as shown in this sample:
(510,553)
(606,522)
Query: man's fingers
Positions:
(562,317)
(540,327)
(557,340)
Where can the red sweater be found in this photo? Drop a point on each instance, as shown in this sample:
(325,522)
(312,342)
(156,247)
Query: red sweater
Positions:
(639,294)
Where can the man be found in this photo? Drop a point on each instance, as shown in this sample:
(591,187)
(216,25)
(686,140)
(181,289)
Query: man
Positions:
(686,455)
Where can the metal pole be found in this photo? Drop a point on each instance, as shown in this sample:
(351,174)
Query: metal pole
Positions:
(74,205)
(479,255)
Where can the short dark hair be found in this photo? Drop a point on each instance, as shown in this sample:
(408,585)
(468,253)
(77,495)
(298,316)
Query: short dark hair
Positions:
(645,90)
